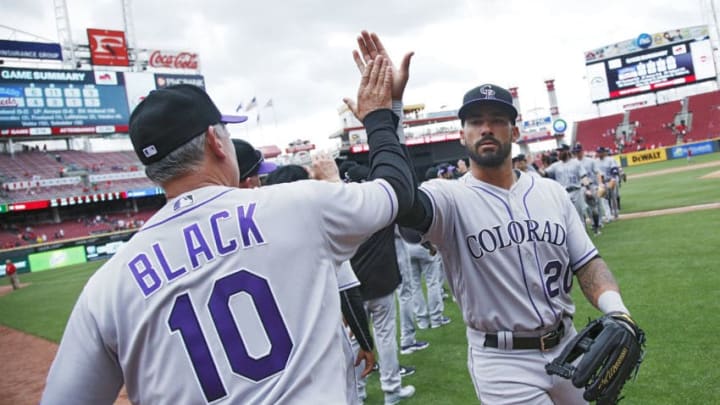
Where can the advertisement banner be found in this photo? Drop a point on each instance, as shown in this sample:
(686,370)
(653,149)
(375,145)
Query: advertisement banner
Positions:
(645,41)
(57,258)
(51,102)
(174,60)
(163,80)
(30,50)
(646,156)
(700,148)
(108,48)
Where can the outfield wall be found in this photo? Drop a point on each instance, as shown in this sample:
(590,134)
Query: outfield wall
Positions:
(50,256)
(669,153)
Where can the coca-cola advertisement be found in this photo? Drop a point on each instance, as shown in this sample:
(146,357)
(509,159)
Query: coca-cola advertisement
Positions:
(174,60)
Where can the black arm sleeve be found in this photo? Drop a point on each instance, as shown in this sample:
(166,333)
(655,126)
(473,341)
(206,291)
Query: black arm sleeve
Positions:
(420,216)
(388,160)
(351,303)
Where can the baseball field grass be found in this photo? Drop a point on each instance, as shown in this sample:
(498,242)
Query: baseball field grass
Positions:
(672,189)
(666,266)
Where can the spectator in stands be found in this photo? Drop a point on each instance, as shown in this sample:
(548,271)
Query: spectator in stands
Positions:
(252,164)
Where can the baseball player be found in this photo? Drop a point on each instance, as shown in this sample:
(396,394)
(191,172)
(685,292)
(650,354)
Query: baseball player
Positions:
(571,175)
(512,247)
(429,313)
(591,190)
(609,171)
(406,300)
(228,295)
(520,163)
(251,163)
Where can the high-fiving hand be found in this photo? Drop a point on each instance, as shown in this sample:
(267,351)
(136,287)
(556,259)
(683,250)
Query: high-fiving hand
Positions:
(374,92)
(370,47)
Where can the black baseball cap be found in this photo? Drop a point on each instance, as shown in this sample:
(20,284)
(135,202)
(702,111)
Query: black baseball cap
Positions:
(250,160)
(169,118)
(577,147)
(488,94)
(563,146)
(518,157)
(287,174)
(601,149)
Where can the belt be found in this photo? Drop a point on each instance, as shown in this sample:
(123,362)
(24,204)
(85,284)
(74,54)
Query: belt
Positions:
(544,342)
(571,189)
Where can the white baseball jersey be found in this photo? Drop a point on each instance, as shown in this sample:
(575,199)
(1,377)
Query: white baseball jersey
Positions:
(568,174)
(509,255)
(225,296)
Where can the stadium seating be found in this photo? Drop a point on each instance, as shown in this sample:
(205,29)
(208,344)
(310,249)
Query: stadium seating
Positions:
(74,228)
(651,125)
(598,131)
(24,166)
(705,109)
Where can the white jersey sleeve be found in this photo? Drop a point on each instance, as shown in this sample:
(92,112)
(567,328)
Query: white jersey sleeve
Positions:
(83,359)
(346,277)
(350,213)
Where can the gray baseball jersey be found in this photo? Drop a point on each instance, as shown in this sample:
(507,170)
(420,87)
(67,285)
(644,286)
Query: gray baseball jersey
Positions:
(605,165)
(568,174)
(591,168)
(509,255)
(224,296)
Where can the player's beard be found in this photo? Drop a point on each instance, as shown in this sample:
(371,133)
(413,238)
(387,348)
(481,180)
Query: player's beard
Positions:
(490,159)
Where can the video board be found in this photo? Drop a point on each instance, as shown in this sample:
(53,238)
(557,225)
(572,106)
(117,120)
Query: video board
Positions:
(651,63)
(61,102)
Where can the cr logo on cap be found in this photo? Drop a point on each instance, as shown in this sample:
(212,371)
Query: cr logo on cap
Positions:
(488,91)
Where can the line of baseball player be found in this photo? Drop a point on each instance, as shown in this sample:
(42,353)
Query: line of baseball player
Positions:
(592,183)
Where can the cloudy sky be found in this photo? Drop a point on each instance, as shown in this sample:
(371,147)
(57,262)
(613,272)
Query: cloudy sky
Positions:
(298,53)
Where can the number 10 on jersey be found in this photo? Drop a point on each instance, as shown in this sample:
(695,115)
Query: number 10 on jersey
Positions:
(184,320)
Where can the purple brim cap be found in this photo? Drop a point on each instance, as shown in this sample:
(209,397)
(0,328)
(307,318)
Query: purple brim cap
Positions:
(266,167)
(232,119)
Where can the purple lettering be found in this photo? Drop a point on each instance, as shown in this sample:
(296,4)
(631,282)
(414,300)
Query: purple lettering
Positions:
(232,244)
(144,274)
(192,233)
(169,273)
(248,225)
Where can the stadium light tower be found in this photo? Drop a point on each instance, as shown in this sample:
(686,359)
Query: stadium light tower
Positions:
(62,20)
(130,32)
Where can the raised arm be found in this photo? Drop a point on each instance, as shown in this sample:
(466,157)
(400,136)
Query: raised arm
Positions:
(387,157)
(419,215)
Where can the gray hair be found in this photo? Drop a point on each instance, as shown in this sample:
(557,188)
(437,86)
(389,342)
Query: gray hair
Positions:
(182,160)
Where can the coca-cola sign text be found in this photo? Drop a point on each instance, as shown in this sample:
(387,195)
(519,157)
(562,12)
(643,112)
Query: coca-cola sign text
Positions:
(174,60)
